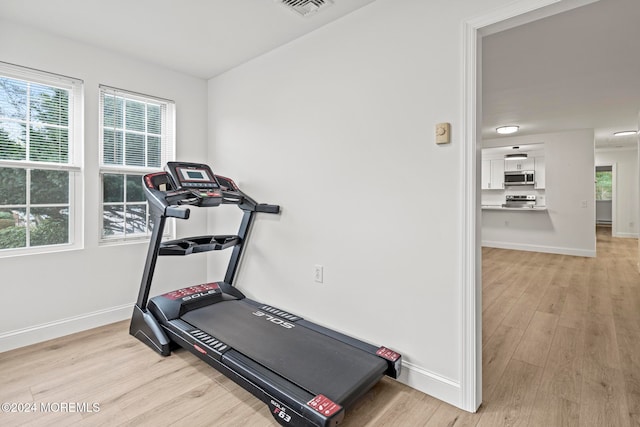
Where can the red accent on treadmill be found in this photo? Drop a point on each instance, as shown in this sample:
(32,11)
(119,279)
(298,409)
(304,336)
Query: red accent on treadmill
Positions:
(201,350)
(324,405)
(181,293)
(388,354)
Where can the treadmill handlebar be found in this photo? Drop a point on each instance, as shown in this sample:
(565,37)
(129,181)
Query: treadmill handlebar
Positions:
(266,208)
(167,200)
(177,212)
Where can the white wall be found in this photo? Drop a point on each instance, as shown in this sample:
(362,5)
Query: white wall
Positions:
(338,128)
(44,296)
(566,227)
(626,198)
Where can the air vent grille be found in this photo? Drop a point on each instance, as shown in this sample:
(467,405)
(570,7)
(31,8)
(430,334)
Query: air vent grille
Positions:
(305,7)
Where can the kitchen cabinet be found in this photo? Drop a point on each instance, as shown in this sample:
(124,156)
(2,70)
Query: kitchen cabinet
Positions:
(540,176)
(486,175)
(519,164)
(492,174)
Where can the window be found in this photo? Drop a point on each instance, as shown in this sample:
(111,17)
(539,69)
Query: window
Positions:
(40,161)
(603,184)
(136,137)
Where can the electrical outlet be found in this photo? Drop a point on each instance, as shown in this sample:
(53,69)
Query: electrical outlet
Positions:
(318,271)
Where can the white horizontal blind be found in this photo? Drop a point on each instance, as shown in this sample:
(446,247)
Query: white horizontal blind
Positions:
(37,117)
(137,131)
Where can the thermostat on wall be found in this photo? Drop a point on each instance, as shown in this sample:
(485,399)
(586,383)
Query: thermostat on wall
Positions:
(443,133)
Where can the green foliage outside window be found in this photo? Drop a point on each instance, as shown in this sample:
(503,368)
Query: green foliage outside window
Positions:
(603,185)
(34,127)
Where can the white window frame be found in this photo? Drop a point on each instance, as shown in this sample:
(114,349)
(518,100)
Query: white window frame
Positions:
(75,156)
(168,154)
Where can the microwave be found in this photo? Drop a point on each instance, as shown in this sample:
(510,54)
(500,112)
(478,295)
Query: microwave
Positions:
(518,178)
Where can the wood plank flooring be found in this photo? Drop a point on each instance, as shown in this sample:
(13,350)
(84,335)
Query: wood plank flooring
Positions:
(561,347)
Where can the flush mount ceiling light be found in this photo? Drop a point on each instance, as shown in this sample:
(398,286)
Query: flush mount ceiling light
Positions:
(625,133)
(505,130)
(516,156)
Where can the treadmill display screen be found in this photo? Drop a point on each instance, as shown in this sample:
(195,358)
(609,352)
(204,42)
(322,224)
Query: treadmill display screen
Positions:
(199,175)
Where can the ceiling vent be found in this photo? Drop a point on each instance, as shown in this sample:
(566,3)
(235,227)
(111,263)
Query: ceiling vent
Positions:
(305,7)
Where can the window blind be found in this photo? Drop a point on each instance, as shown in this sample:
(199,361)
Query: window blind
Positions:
(137,131)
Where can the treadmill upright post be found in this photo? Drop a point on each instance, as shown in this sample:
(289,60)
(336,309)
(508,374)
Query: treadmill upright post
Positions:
(150,263)
(243,233)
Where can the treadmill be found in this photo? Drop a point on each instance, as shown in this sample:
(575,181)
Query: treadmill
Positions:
(307,374)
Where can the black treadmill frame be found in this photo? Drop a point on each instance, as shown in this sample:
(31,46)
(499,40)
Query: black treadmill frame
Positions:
(288,403)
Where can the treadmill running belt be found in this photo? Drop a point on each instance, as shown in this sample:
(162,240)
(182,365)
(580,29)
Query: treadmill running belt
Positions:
(315,362)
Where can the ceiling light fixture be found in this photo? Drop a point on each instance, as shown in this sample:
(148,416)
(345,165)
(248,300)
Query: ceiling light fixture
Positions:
(517,156)
(506,130)
(625,133)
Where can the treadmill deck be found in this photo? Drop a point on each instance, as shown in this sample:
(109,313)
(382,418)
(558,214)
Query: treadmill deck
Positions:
(315,362)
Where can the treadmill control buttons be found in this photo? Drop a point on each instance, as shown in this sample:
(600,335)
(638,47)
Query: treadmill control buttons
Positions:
(324,405)
(388,354)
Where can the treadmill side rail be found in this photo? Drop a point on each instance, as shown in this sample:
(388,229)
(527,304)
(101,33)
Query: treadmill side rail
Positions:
(146,328)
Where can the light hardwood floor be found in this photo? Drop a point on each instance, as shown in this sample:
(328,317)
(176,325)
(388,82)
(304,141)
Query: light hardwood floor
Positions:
(561,340)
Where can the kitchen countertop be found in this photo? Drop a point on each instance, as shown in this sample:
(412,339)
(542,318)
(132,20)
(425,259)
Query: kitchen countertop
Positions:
(501,208)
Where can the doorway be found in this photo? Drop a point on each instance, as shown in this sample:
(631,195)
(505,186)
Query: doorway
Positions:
(604,199)
(474,31)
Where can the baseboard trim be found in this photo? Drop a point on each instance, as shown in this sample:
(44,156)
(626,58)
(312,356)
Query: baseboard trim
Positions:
(59,328)
(432,384)
(535,248)
(626,235)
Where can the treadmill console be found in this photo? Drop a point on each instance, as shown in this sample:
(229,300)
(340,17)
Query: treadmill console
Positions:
(193,176)
(192,183)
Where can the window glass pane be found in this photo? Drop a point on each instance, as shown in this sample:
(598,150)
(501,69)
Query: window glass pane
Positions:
(49,105)
(154,153)
(13,99)
(49,187)
(134,144)
(136,219)
(13,186)
(12,141)
(113,220)
(49,144)
(113,188)
(112,147)
(135,115)
(112,111)
(13,232)
(603,185)
(154,120)
(49,226)
(135,193)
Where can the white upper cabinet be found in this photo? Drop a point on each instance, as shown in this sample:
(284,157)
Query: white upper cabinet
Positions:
(519,164)
(493,174)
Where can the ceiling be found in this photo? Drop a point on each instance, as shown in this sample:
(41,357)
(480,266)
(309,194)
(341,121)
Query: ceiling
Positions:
(574,70)
(202,38)
(578,69)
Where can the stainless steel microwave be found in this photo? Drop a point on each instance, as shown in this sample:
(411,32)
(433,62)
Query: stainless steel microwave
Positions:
(518,178)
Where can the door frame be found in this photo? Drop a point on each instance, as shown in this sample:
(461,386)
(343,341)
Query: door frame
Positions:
(474,30)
